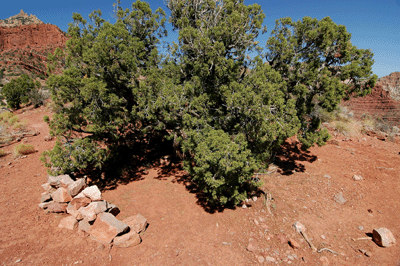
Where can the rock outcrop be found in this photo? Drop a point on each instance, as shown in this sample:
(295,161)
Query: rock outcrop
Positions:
(25,42)
(383,102)
(20,19)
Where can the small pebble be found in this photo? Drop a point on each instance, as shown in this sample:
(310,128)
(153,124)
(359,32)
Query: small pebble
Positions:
(18,260)
(323,237)
(360,228)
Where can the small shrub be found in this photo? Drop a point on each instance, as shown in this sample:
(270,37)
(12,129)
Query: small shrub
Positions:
(24,149)
(342,128)
(2,153)
(46,118)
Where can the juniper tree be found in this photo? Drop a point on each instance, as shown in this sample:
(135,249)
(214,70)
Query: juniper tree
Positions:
(101,93)
(226,111)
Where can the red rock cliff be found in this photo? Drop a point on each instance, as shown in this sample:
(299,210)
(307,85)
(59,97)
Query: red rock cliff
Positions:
(39,36)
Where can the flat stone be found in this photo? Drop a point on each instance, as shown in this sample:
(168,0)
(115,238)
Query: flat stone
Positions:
(66,181)
(84,225)
(53,180)
(90,212)
(47,187)
(59,181)
(45,198)
(340,199)
(68,222)
(383,237)
(76,187)
(136,223)
(61,195)
(127,240)
(55,207)
(106,228)
(74,212)
(357,178)
(92,192)
(80,202)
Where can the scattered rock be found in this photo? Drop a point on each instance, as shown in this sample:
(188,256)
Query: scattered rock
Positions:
(299,227)
(254,198)
(293,243)
(68,222)
(244,206)
(383,237)
(270,259)
(55,207)
(80,202)
(339,198)
(127,240)
(252,246)
(61,195)
(90,212)
(327,176)
(65,181)
(48,138)
(45,198)
(92,192)
(84,226)
(76,187)
(136,223)
(260,259)
(106,228)
(357,178)
(360,228)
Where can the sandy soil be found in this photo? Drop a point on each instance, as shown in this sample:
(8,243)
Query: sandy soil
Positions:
(183,232)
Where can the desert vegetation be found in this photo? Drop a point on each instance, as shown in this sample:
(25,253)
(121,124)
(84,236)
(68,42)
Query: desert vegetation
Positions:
(224,111)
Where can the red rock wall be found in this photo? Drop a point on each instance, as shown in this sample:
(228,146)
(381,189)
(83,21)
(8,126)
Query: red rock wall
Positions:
(33,36)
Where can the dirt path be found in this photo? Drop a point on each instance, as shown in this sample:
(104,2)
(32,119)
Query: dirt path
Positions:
(182,232)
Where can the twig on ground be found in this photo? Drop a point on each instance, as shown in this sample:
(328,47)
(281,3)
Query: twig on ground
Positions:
(327,249)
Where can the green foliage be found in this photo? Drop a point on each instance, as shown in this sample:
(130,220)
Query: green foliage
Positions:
(2,73)
(2,153)
(227,112)
(20,90)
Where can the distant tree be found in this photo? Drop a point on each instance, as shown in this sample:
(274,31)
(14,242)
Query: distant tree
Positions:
(225,111)
(19,91)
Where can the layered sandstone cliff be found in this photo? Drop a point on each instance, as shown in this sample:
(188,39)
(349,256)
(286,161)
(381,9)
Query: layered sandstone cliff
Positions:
(25,42)
(382,103)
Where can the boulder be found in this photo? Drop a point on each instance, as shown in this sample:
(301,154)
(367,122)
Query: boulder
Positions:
(84,226)
(55,207)
(76,187)
(66,181)
(74,212)
(45,198)
(80,202)
(92,192)
(106,228)
(68,222)
(61,195)
(136,223)
(383,237)
(127,240)
(59,181)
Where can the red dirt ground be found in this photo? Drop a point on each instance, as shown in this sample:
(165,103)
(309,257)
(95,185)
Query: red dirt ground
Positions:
(182,232)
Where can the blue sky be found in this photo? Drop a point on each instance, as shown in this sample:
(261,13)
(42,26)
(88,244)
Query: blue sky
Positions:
(374,24)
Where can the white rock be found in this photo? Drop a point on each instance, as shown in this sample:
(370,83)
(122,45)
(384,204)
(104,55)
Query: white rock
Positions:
(357,178)
(92,192)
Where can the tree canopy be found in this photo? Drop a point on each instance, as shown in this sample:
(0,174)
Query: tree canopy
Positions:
(225,111)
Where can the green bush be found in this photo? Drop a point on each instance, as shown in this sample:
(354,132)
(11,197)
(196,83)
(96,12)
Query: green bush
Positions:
(20,90)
